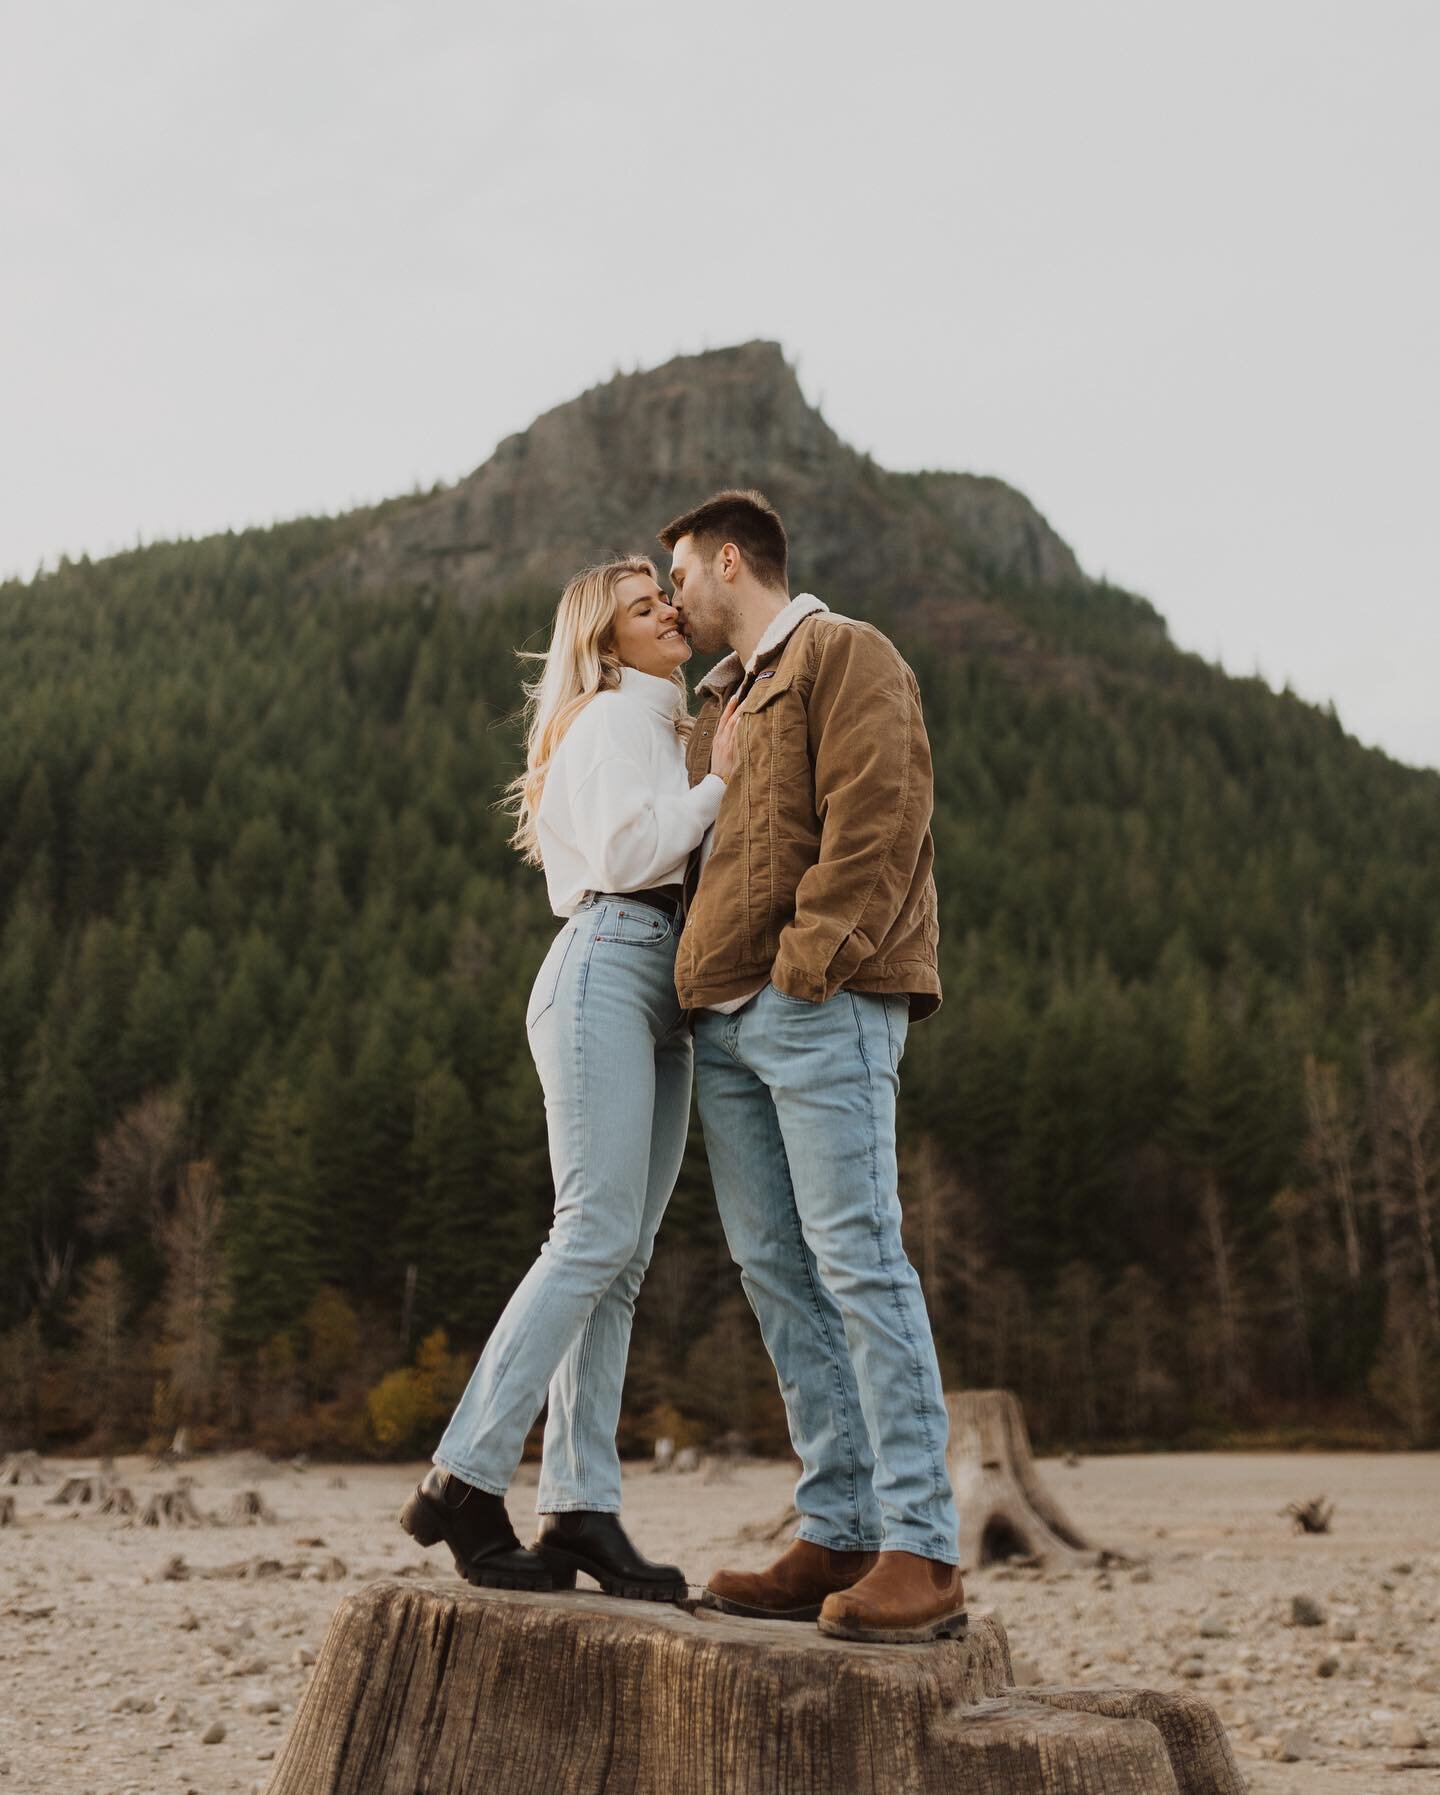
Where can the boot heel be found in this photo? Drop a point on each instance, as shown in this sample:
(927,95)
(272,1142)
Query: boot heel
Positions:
(422,1520)
(561,1566)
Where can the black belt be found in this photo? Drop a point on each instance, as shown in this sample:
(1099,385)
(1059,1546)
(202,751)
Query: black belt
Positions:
(661,897)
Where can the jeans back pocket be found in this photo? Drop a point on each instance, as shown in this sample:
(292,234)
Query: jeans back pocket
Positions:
(547,980)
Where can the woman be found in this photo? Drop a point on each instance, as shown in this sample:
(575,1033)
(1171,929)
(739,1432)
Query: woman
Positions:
(605,806)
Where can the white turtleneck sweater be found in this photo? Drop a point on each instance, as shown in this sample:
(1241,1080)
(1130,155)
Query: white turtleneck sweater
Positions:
(618,812)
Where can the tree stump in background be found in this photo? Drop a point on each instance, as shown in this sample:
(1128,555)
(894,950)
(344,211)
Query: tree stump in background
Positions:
(86,1490)
(1005,1510)
(460,1691)
(172,1508)
(21,1467)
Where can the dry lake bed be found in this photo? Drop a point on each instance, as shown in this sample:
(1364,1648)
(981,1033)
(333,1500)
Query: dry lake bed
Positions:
(152,1660)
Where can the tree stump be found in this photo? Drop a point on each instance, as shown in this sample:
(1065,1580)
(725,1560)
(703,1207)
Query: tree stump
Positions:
(118,1500)
(459,1691)
(172,1508)
(21,1467)
(245,1509)
(7,1511)
(1005,1510)
(86,1490)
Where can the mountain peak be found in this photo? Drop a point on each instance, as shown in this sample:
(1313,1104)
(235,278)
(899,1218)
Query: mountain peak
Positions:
(601,473)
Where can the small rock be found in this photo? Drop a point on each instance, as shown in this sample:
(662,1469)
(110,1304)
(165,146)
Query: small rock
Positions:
(1345,1630)
(1290,1747)
(1405,1735)
(1143,1575)
(1305,1611)
(1193,1667)
(304,1654)
(187,1622)
(1212,1627)
(133,1704)
(1327,1667)
(261,1701)
(213,1733)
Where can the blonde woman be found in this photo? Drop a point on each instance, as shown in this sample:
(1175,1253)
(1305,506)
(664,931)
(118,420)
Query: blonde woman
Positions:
(606,808)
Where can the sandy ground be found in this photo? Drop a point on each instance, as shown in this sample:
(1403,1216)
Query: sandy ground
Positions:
(121,1651)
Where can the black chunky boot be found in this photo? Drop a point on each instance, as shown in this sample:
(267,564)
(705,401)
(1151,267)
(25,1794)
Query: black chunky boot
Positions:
(475,1526)
(598,1545)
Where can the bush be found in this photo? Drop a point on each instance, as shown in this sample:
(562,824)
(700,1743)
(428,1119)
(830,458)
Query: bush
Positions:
(407,1405)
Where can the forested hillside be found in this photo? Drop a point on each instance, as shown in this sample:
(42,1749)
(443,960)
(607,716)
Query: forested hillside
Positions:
(267,1120)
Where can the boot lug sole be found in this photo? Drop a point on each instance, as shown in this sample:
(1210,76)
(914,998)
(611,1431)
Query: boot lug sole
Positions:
(480,1578)
(950,1626)
(565,1565)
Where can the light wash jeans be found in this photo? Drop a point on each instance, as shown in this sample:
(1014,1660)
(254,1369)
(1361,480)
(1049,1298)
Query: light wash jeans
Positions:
(798,1105)
(614,1055)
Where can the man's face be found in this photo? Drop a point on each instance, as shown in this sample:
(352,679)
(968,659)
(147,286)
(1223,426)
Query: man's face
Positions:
(701,596)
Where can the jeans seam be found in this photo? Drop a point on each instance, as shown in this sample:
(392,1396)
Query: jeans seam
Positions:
(917,1376)
(834,1361)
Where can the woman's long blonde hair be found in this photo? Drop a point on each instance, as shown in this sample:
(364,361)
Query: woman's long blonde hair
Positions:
(580,661)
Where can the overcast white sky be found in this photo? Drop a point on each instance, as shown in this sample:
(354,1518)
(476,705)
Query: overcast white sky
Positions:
(1172,270)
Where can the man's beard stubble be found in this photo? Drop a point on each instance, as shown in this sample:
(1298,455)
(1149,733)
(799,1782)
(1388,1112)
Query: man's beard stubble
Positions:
(714,629)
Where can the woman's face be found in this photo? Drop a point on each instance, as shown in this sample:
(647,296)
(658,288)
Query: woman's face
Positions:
(646,628)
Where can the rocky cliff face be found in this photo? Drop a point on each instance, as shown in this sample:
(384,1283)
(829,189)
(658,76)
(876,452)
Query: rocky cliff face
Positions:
(601,474)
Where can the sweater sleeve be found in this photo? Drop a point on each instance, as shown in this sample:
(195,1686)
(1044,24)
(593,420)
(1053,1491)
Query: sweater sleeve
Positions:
(630,833)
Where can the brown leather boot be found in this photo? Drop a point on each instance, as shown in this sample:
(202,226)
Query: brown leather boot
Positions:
(792,1588)
(904,1600)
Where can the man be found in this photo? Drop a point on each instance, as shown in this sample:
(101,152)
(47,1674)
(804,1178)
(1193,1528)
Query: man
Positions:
(809,944)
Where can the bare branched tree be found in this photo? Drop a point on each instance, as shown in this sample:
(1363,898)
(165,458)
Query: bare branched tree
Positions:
(136,1166)
(101,1357)
(945,1243)
(1412,1114)
(196,1294)
(1330,1149)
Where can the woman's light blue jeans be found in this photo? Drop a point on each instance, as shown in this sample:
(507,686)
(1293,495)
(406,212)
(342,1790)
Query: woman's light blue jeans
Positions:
(798,1105)
(614,1055)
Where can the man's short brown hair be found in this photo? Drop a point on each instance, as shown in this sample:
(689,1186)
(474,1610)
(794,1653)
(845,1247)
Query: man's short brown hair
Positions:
(747,519)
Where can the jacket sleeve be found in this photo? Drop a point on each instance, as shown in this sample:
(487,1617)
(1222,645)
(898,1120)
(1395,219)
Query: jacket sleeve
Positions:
(628,832)
(874,793)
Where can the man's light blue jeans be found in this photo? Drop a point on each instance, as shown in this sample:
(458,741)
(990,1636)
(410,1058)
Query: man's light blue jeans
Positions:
(614,1056)
(798,1105)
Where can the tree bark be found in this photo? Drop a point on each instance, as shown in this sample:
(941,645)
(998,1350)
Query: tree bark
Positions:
(449,1690)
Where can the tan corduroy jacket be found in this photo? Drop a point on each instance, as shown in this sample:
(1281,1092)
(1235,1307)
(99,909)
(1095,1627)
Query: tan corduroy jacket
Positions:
(820,874)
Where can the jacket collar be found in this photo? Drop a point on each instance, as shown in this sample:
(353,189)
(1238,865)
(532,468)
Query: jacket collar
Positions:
(726,673)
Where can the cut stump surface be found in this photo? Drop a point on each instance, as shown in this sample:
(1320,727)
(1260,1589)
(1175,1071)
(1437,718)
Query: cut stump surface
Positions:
(460,1691)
